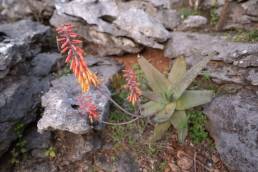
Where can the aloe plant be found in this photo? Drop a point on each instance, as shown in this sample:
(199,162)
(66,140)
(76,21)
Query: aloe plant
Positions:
(169,98)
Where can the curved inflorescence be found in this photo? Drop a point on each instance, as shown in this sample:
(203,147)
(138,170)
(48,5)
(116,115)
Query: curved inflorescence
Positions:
(132,85)
(88,107)
(69,43)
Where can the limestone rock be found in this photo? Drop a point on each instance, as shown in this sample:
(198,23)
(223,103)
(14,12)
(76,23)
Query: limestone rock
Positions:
(232,60)
(169,18)
(43,63)
(253,77)
(187,43)
(142,28)
(20,42)
(233,125)
(107,44)
(120,26)
(194,22)
(207,4)
(18,9)
(61,100)
(18,102)
(251,7)
(125,162)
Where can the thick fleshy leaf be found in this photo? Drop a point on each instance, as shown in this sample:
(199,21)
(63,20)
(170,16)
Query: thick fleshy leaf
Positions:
(156,80)
(165,114)
(159,131)
(178,71)
(151,96)
(192,98)
(180,122)
(188,78)
(150,108)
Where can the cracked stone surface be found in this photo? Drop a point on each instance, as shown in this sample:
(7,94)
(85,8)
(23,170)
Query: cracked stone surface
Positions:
(122,26)
(233,124)
(59,101)
(21,41)
(231,61)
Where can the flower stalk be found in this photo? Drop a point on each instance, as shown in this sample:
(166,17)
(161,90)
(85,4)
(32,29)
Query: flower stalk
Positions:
(69,43)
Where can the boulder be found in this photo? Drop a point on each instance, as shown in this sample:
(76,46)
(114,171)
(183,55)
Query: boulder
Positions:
(21,40)
(142,28)
(19,9)
(241,14)
(232,61)
(125,162)
(60,103)
(221,49)
(20,97)
(61,106)
(119,26)
(194,22)
(233,124)
(107,44)
(13,110)
(43,63)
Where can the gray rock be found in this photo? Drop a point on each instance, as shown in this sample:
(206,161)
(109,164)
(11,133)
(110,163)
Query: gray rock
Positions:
(43,63)
(35,140)
(125,162)
(161,3)
(18,9)
(169,18)
(233,125)
(107,44)
(247,61)
(7,136)
(142,28)
(251,7)
(207,4)
(79,145)
(93,12)
(119,25)
(59,113)
(237,58)
(59,101)
(241,15)
(224,73)
(19,100)
(187,43)
(36,165)
(253,77)
(20,92)
(194,22)
(20,43)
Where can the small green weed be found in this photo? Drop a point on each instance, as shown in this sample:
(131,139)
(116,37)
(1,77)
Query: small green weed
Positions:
(51,152)
(197,130)
(206,76)
(205,82)
(118,132)
(186,12)
(19,149)
(162,166)
(151,150)
(214,17)
(246,36)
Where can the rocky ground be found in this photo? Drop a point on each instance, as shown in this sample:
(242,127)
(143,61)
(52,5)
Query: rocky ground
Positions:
(41,128)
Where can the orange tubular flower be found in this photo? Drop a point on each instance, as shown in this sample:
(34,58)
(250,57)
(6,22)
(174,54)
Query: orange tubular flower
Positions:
(86,106)
(69,44)
(132,85)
